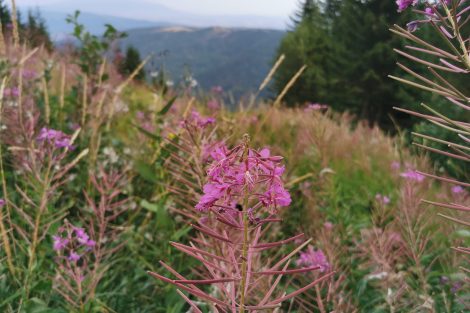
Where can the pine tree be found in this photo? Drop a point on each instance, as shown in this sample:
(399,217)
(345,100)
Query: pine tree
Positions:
(308,43)
(34,31)
(130,63)
(5,16)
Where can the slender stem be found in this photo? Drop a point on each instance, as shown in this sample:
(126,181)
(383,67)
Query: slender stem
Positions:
(244,258)
(37,225)
(246,140)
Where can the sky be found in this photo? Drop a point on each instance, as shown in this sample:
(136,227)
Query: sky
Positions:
(277,8)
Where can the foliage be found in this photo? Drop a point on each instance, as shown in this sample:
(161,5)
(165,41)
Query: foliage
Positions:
(130,63)
(91,47)
(346,46)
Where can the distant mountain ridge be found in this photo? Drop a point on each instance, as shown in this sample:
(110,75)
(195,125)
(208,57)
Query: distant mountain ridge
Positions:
(237,59)
(94,23)
(127,14)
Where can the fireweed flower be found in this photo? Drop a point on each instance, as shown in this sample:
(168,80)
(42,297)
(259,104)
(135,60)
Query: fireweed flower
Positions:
(73,256)
(59,243)
(404,4)
(54,137)
(457,189)
(217,89)
(213,105)
(244,173)
(11,92)
(312,257)
(395,165)
(72,243)
(382,199)
(195,120)
(328,225)
(412,26)
(412,175)
(315,107)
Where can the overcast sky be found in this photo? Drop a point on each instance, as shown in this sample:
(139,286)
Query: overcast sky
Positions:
(280,8)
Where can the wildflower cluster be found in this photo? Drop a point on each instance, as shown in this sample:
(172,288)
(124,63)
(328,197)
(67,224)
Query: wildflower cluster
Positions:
(313,258)
(71,243)
(244,173)
(431,14)
(55,138)
(196,121)
(412,175)
(242,193)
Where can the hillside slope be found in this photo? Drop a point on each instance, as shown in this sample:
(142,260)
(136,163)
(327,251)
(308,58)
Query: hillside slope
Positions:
(235,58)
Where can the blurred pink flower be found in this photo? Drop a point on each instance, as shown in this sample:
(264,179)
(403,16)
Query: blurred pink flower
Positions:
(382,199)
(55,137)
(13,92)
(213,105)
(395,165)
(328,225)
(311,258)
(315,107)
(404,4)
(59,243)
(217,89)
(412,175)
(457,189)
(73,256)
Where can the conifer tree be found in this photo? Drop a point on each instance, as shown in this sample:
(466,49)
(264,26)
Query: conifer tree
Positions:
(130,63)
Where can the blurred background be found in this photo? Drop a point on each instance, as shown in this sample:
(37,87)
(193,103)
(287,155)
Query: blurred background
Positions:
(233,44)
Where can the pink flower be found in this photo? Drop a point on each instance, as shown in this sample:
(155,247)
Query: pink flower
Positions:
(276,196)
(73,256)
(315,107)
(328,225)
(196,120)
(412,26)
(213,105)
(55,137)
(11,92)
(311,258)
(212,193)
(429,12)
(29,74)
(395,165)
(404,4)
(457,189)
(59,243)
(217,89)
(382,199)
(236,174)
(90,243)
(2,203)
(412,175)
(82,238)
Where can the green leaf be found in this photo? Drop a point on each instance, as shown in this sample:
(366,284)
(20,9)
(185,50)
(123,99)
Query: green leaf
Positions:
(147,133)
(167,107)
(146,171)
(180,233)
(152,207)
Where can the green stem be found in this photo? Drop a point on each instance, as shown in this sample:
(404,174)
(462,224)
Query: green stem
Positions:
(244,259)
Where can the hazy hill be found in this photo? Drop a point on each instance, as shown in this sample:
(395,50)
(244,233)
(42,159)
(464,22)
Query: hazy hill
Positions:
(237,59)
(127,14)
(94,23)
